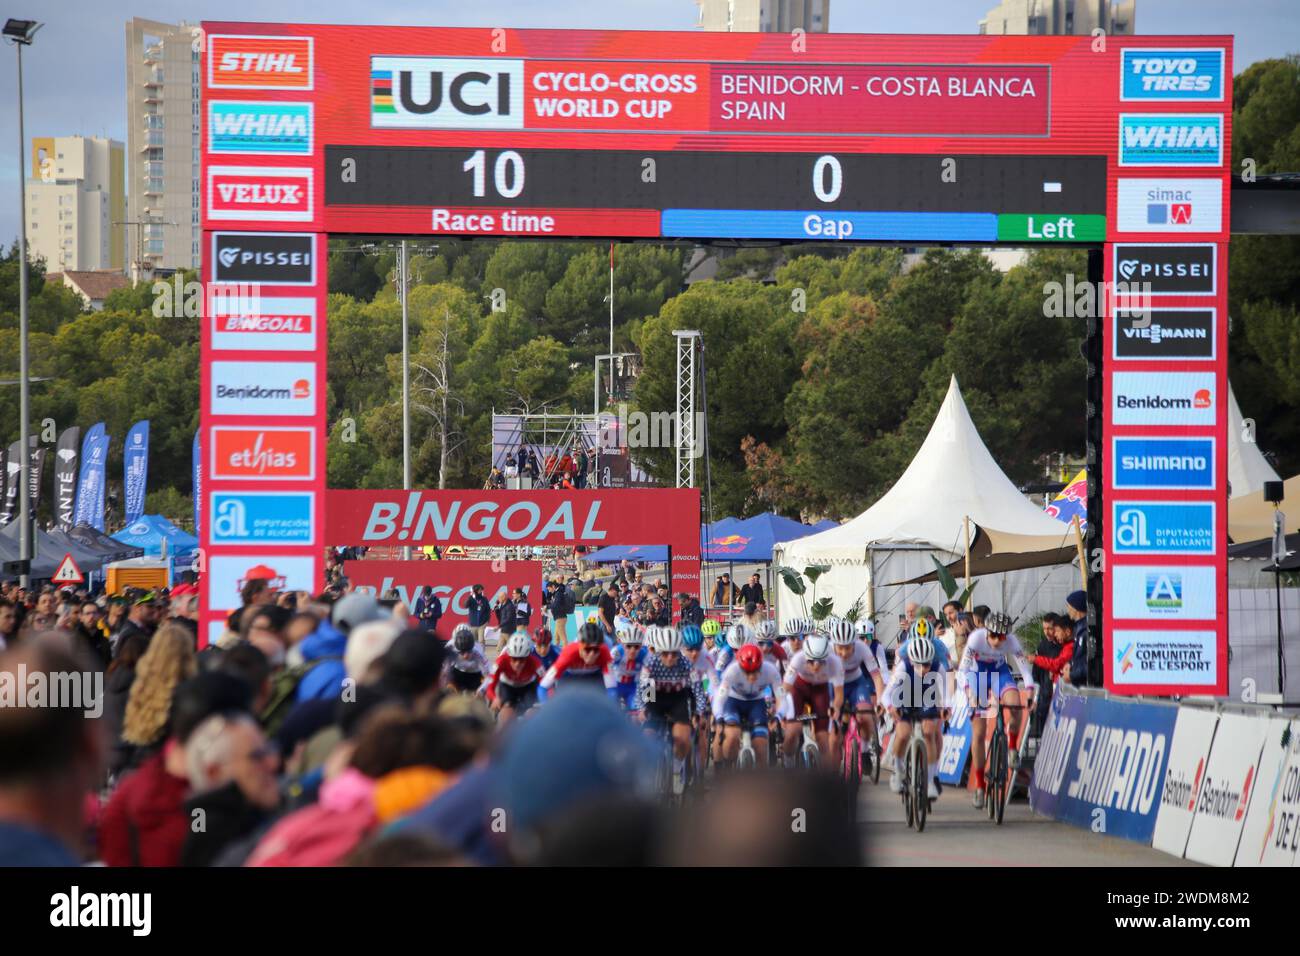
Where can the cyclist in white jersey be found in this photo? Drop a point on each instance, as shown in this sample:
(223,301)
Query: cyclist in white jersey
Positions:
(747,684)
(814,682)
(984,675)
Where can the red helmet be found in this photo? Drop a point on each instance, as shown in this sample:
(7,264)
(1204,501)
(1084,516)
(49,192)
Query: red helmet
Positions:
(750,658)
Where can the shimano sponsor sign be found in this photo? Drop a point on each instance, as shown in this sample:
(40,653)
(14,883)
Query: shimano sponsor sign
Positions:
(1163,527)
(1170,75)
(1163,398)
(262,518)
(1164,334)
(1194,139)
(1177,463)
(1166,592)
(1105,760)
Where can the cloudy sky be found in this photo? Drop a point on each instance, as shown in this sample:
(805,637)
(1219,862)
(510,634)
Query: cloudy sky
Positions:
(74,75)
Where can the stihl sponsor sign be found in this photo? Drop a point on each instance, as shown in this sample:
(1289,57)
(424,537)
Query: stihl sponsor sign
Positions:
(259,63)
(594,518)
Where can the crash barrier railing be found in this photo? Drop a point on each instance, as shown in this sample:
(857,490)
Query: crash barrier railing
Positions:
(1216,782)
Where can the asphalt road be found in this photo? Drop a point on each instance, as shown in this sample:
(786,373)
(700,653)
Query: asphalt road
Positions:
(958,835)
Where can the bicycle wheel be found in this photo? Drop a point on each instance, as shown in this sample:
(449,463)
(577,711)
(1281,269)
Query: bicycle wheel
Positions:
(920,794)
(852,773)
(811,756)
(998,762)
(907,791)
(875,758)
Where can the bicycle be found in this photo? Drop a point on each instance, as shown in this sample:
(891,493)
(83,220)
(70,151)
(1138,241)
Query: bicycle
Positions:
(997,776)
(851,757)
(668,782)
(810,755)
(916,797)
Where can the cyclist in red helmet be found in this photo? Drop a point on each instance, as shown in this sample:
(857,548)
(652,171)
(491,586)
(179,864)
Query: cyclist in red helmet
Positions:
(747,683)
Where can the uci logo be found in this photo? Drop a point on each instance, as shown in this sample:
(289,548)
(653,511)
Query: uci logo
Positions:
(1131,530)
(442,93)
(230,521)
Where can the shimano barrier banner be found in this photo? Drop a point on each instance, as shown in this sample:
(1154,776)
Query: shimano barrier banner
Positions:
(956,742)
(135,468)
(90,484)
(1104,766)
(65,476)
(453,582)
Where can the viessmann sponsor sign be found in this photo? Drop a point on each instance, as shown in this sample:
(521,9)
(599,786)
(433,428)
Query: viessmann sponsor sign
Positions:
(1165,334)
(492,93)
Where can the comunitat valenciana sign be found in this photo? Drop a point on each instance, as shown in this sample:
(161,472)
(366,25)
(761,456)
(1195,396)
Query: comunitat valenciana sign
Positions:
(1117,142)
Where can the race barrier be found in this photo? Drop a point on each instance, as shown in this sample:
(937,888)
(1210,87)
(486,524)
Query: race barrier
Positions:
(1215,784)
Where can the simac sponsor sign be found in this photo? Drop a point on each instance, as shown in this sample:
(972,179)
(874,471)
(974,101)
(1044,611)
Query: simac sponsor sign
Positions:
(1178,463)
(263,388)
(265,257)
(1167,269)
(228,573)
(260,128)
(1163,398)
(259,62)
(1169,205)
(1163,139)
(274,323)
(1145,592)
(260,193)
(1164,334)
(1163,527)
(1155,658)
(263,454)
(1171,75)
(1107,755)
(262,518)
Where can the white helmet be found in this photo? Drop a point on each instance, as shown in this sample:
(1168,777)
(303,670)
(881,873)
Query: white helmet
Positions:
(663,640)
(633,634)
(519,645)
(920,650)
(767,631)
(840,631)
(739,636)
(816,647)
(865,627)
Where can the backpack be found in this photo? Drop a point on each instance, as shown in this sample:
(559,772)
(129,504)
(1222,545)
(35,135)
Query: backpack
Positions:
(284,693)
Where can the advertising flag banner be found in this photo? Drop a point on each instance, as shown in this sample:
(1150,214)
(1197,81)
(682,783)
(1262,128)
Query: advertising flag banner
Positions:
(35,471)
(12,468)
(90,483)
(196,464)
(65,476)
(135,467)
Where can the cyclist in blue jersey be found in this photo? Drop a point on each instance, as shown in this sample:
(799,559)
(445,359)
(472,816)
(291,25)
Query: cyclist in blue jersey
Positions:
(916,694)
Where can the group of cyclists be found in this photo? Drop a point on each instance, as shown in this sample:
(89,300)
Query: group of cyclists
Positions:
(706,685)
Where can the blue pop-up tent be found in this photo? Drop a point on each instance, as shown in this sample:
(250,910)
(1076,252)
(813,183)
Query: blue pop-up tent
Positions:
(656,553)
(149,532)
(752,539)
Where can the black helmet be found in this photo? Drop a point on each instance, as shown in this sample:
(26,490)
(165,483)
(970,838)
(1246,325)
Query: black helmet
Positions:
(592,633)
(463,639)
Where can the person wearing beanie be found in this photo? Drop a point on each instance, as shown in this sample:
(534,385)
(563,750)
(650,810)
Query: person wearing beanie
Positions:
(1076,606)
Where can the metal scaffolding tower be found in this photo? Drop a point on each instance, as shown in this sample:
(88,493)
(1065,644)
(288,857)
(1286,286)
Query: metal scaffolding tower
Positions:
(687,342)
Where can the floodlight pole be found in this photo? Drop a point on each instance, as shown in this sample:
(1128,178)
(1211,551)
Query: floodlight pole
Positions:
(24,411)
(406,383)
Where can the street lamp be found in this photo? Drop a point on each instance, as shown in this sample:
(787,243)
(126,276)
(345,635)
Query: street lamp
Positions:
(20,34)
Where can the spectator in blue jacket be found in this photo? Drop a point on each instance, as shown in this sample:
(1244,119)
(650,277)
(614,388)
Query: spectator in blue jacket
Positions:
(428,610)
(1076,605)
(480,612)
(326,644)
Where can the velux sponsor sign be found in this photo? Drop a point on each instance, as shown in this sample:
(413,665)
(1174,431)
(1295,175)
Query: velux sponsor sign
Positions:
(263,193)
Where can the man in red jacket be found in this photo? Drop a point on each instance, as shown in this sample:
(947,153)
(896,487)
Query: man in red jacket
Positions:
(1054,657)
(145,823)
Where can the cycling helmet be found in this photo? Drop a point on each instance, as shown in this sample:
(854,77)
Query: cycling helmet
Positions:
(865,628)
(920,628)
(920,650)
(592,633)
(692,637)
(664,640)
(750,658)
(710,628)
(739,636)
(542,635)
(632,635)
(816,647)
(767,632)
(462,639)
(997,623)
(519,645)
(840,631)
(791,628)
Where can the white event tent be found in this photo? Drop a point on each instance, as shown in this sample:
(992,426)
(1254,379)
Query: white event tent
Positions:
(951,478)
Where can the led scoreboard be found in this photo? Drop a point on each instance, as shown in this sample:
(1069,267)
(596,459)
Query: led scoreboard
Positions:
(1116,142)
